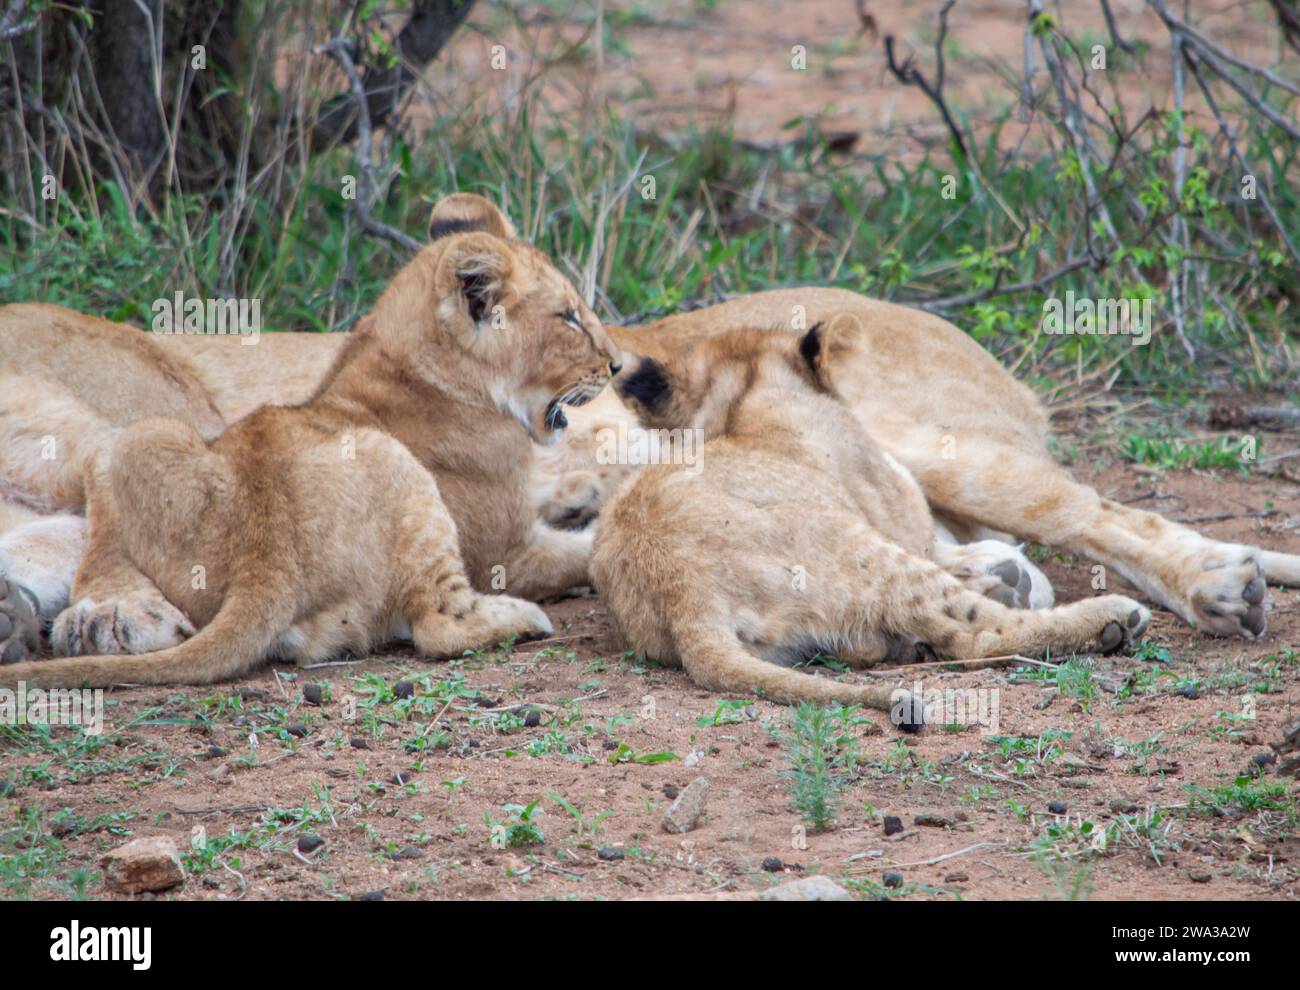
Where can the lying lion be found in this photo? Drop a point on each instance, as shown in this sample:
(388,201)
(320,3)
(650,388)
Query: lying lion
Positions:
(798,537)
(371,511)
(926,393)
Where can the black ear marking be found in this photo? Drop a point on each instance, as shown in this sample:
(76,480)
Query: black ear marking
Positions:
(648,385)
(810,345)
(477,289)
(444,228)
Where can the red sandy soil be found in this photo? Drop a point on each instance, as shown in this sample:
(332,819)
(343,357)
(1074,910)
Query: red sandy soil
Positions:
(684,63)
(1144,750)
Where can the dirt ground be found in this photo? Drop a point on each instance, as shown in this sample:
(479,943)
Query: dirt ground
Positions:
(690,64)
(405,792)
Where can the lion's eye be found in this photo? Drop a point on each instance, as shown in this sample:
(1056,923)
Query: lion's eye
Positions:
(570,317)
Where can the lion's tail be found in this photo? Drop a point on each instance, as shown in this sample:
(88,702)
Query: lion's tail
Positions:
(248,624)
(717,660)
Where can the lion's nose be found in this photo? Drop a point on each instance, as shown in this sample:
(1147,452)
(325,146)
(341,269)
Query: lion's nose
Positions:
(615,367)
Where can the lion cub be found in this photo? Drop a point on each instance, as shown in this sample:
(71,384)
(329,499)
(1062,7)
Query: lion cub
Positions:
(370,512)
(795,535)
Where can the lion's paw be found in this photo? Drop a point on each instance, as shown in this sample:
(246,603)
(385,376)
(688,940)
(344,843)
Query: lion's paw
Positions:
(1225,590)
(1000,571)
(505,617)
(20,623)
(138,623)
(1124,621)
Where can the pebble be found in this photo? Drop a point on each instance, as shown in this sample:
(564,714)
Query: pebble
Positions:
(1188,691)
(956,877)
(1057,807)
(372,895)
(296,729)
(403,689)
(309,843)
(814,888)
(893,824)
(609,853)
(313,694)
(532,718)
(892,879)
(688,808)
(148,864)
(359,742)
(932,820)
(773,864)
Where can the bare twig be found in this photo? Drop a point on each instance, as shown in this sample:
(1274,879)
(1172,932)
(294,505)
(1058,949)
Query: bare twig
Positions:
(337,49)
(909,75)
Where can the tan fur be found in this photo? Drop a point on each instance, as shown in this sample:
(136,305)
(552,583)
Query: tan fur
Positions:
(797,536)
(925,392)
(371,511)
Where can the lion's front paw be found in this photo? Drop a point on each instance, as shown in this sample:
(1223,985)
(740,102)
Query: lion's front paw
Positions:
(1225,590)
(1128,621)
(20,623)
(134,624)
(506,617)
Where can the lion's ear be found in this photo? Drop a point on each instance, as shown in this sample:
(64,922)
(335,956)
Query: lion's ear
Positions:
(823,345)
(474,276)
(644,382)
(465,211)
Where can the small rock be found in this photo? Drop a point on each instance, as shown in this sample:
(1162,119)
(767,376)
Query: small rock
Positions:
(1046,699)
(932,820)
(359,742)
(250,694)
(220,772)
(309,843)
(609,853)
(1123,806)
(671,791)
(687,810)
(1199,876)
(532,718)
(814,888)
(1057,807)
(956,877)
(143,865)
(410,852)
(893,824)
(773,864)
(1188,691)
(892,879)
(215,752)
(296,729)
(1264,759)
(403,689)
(371,895)
(313,694)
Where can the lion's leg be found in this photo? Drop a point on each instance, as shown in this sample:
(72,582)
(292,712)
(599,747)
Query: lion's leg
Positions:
(912,597)
(445,616)
(1217,587)
(552,562)
(114,607)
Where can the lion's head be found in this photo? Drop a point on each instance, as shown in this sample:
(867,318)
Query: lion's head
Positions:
(702,386)
(482,313)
